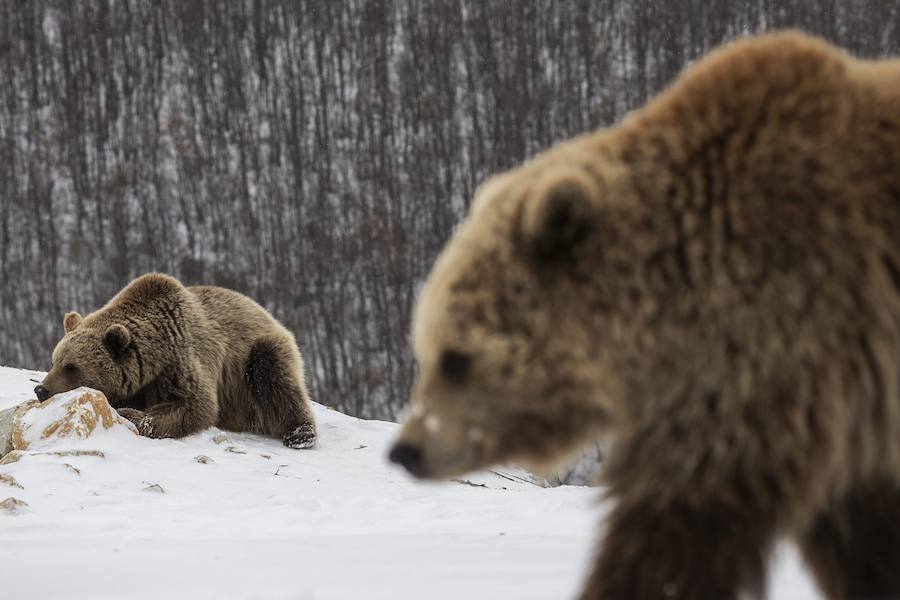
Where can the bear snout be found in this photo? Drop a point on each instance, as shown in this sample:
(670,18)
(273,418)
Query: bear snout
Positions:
(409,457)
(41,392)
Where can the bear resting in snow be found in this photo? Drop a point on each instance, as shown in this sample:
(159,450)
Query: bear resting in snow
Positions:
(176,360)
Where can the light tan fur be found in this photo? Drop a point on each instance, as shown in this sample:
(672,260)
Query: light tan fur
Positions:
(714,284)
(177,360)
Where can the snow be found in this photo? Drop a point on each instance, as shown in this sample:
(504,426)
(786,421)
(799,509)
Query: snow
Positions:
(230,516)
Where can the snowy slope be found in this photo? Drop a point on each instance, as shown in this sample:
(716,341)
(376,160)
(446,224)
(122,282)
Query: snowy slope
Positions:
(147,520)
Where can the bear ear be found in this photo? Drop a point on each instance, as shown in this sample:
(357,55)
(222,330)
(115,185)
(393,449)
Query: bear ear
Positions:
(71,321)
(560,213)
(117,339)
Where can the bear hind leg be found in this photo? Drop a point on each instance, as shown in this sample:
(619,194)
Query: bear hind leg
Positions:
(274,375)
(853,545)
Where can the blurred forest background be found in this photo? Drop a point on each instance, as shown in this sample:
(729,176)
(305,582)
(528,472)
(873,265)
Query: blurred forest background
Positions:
(312,154)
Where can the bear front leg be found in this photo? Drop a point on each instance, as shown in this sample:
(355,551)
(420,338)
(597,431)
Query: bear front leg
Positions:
(680,550)
(172,420)
(187,408)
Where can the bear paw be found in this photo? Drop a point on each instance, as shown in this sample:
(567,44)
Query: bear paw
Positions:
(132,414)
(302,437)
(139,418)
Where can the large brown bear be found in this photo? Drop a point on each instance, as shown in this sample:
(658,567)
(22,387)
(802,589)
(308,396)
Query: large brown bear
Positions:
(176,360)
(715,284)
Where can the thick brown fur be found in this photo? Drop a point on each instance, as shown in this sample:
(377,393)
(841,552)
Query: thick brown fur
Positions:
(714,284)
(177,360)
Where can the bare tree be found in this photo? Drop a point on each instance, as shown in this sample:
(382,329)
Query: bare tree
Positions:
(314,155)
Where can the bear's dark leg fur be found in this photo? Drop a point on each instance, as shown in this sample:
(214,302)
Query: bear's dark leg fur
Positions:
(853,545)
(680,551)
(275,380)
(186,407)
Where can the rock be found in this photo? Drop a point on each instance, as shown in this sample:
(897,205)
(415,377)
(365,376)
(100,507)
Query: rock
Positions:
(97,453)
(13,505)
(235,450)
(6,424)
(8,420)
(10,481)
(203,459)
(12,457)
(74,415)
(154,487)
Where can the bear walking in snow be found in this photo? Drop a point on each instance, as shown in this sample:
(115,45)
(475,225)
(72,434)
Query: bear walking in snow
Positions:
(715,285)
(176,360)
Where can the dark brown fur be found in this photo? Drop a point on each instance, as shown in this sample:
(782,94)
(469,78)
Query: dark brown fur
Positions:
(178,360)
(714,284)
(853,544)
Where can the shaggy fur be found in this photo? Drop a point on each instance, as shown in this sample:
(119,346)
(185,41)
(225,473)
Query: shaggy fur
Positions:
(714,284)
(177,360)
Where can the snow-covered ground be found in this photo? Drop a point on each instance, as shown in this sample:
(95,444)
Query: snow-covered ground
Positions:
(258,520)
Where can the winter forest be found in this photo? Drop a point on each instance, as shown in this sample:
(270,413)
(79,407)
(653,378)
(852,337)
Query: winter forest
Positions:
(314,155)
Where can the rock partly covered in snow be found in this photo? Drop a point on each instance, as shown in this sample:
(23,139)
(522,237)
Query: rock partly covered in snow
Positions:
(75,415)
(6,426)
(12,505)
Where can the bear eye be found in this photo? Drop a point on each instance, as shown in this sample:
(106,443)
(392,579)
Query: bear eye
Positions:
(455,365)
(70,368)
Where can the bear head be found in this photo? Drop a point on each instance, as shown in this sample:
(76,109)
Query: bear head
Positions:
(585,285)
(508,372)
(92,353)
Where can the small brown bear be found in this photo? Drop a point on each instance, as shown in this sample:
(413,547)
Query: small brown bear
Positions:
(714,285)
(176,360)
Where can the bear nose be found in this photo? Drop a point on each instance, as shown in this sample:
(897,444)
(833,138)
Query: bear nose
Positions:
(42,393)
(409,457)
